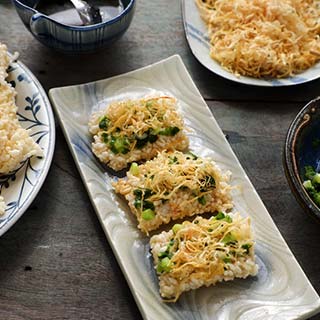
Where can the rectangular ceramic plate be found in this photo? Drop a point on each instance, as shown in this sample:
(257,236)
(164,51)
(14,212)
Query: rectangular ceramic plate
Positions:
(279,291)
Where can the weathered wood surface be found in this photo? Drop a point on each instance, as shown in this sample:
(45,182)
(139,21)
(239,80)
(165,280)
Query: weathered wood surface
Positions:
(55,263)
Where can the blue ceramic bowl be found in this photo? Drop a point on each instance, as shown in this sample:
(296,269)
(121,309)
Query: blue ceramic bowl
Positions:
(73,39)
(302,148)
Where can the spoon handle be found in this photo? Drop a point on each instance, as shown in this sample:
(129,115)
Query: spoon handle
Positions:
(88,14)
(79,4)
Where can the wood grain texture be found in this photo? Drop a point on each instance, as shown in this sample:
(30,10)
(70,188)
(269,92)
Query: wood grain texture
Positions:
(55,263)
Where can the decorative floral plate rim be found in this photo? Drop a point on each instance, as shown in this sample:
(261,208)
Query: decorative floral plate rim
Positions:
(280,288)
(197,37)
(21,187)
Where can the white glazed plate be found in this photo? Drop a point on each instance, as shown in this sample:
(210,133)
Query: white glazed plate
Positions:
(34,113)
(198,39)
(279,291)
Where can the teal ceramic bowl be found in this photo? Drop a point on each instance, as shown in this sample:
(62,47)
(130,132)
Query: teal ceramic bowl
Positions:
(302,148)
(74,39)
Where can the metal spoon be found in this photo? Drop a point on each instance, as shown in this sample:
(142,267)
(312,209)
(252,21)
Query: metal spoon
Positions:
(89,14)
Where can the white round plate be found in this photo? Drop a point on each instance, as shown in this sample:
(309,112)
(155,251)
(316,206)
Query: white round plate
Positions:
(35,114)
(197,36)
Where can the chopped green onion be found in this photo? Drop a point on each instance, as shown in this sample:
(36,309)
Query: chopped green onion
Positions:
(316,180)
(316,199)
(246,246)
(153,138)
(147,193)
(164,265)
(148,136)
(308,185)
(165,254)
(202,200)
(147,214)
(309,172)
(138,196)
(137,203)
(137,193)
(210,182)
(226,260)
(119,145)
(173,160)
(105,137)
(154,132)
(220,216)
(170,131)
(148,205)
(111,144)
(104,123)
(192,155)
(312,185)
(134,169)
(228,219)
(229,238)
(223,217)
(176,227)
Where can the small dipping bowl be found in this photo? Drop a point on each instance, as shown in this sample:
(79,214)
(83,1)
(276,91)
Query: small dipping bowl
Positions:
(74,39)
(302,149)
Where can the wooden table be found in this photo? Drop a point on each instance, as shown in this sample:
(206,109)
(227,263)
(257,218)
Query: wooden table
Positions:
(55,263)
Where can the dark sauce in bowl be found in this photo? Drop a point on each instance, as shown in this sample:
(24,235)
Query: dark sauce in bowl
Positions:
(64,12)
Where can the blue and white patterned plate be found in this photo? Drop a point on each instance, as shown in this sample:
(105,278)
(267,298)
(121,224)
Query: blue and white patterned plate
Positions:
(35,114)
(197,36)
(280,290)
